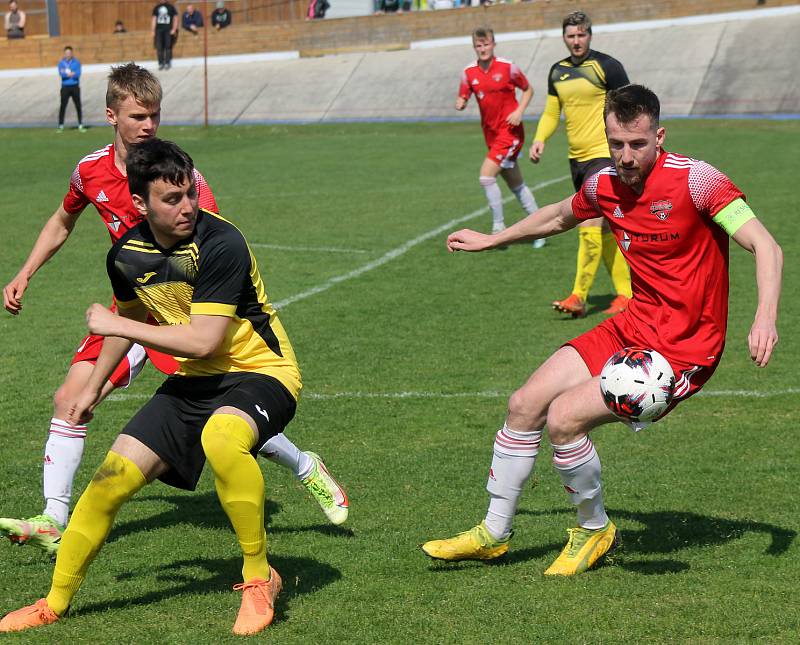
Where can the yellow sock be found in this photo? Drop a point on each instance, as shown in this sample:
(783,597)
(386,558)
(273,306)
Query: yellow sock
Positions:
(617,266)
(227,440)
(590,242)
(116,481)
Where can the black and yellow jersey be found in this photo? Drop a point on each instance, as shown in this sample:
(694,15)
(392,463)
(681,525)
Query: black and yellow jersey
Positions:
(213,272)
(580,90)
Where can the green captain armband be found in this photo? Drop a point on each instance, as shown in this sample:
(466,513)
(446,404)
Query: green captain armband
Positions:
(731,218)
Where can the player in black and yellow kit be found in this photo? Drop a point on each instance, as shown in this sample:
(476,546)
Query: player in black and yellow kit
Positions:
(578,85)
(237,384)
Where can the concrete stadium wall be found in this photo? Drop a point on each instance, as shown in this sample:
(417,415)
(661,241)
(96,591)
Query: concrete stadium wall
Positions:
(723,66)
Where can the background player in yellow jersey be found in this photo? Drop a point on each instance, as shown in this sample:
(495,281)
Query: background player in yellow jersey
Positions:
(578,85)
(236,386)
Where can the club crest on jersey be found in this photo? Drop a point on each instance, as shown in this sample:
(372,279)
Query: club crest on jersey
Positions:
(114,223)
(101,197)
(497,78)
(661,208)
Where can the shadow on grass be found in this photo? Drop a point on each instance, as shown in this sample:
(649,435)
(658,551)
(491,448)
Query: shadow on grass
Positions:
(300,576)
(664,532)
(203,510)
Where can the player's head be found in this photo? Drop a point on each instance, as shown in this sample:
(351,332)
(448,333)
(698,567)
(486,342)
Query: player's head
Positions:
(162,186)
(133,103)
(68,52)
(576,29)
(483,43)
(632,127)
(12,5)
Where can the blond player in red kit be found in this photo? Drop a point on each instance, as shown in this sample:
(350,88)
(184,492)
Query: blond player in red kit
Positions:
(494,82)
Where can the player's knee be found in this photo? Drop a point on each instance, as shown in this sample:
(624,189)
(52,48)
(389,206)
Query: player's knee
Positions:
(562,424)
(487,181)
(524,406)
(62,399)
(225,434)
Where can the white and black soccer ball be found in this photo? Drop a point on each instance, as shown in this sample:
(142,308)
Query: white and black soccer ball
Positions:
(637,384)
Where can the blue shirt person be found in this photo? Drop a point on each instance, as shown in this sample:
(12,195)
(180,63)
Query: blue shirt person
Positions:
(69,68)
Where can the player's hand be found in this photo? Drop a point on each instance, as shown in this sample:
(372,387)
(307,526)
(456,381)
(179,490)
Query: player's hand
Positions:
(80,411)
(537,149)
(12,294)
(101,320)
(515,118)
(461,103)
(468,240)
(762,340)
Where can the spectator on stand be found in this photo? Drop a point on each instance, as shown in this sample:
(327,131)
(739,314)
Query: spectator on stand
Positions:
(220,17)
(165,31)
(316,9)
(14,21)
(192,20)
(119,27)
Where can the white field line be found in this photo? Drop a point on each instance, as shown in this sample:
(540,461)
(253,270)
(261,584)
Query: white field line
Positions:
(398,251)
(310,249)
(486,394)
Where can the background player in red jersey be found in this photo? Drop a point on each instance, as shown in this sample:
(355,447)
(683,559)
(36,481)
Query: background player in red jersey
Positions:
(672,217)
(494,82)
(133,108)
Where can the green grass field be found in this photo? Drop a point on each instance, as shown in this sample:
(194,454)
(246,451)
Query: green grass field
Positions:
(407,364)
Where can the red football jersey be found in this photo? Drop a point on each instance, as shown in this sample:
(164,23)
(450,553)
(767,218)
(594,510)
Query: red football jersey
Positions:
(495,90)
(97,180)
(678,256)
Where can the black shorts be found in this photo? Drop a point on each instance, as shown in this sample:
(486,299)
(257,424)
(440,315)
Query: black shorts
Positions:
(581,170)
(171,422)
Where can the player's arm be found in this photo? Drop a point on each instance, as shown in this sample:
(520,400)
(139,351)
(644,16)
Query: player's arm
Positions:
(548,220)
(517,77)
(515,118)
(51,238)
(548,123)
(464,91)
(113,351)
(752,235)
(201,338)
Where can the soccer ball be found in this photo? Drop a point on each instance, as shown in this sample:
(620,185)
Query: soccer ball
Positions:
(637,384)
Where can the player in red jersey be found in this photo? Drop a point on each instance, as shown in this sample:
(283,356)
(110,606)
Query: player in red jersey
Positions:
(494,82)
(133,108)
(672,217)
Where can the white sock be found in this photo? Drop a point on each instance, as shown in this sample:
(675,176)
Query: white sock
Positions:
(495,199)
(525,198)
(62,456)
(282,451)
(512,464)
(579,467)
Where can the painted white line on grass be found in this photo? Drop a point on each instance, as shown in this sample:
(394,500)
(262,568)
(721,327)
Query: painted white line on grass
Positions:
(485,394)
(311,249)
(398,251)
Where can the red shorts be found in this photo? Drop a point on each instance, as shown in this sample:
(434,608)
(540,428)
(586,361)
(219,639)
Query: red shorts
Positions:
(131,365)
(504,147)
(597,345)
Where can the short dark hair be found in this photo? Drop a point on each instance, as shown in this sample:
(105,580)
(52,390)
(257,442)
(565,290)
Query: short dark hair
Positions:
(577,19)
(156,159)
(629,102)
(68,47)
(482,32)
